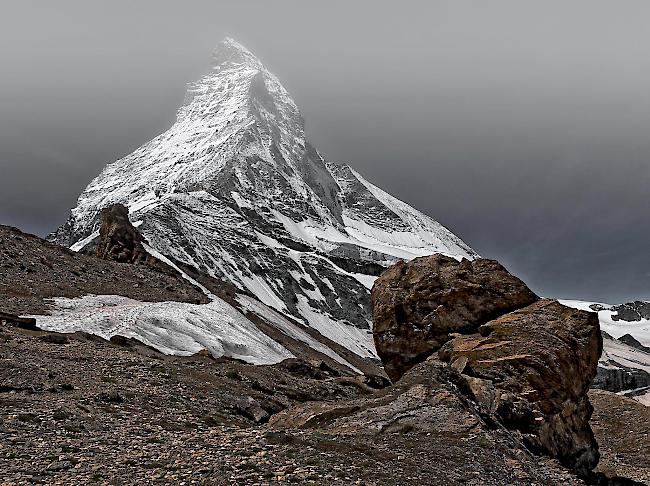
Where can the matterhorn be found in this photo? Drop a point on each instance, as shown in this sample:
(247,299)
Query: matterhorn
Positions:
(235,191)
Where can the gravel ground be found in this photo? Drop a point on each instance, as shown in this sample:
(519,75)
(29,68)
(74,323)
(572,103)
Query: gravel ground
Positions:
(622,428)
(75,409)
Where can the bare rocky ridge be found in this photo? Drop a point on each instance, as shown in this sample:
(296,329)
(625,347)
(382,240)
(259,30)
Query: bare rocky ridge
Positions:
(33,270)
(631,341)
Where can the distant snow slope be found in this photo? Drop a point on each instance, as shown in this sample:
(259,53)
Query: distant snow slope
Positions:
(612,324)
(234,189)
(618,355)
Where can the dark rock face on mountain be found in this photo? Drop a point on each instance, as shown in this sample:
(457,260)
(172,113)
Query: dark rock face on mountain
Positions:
(631,312)
(119,240)
(416,305)
(633,342)
(532,368)
(618,378)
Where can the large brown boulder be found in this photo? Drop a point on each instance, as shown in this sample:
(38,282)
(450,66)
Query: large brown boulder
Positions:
(119,240)
(416,305)
(428,423)
(532,369)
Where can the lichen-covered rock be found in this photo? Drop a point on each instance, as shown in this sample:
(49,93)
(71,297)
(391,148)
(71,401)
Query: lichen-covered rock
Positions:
(416,305)
(533,368)
(119,240)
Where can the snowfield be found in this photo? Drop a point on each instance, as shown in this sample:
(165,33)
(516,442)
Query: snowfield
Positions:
(170,327)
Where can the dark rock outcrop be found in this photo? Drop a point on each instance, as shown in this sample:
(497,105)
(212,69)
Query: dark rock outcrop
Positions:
(532,369)
(21,322)
(616,378)
(527,363)
(119,240)
(431,411)
(632,311)
(416,305)
(631,341)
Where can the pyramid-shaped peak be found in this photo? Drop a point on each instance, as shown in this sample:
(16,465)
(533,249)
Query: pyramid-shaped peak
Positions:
(231,51)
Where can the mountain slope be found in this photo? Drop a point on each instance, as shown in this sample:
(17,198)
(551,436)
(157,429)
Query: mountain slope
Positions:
(234,190)
(156,303)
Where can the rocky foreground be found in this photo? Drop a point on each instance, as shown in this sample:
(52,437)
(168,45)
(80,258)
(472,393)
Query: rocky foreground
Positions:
(80,410)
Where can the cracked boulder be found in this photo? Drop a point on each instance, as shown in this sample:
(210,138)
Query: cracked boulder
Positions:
(416,305)
(532,369)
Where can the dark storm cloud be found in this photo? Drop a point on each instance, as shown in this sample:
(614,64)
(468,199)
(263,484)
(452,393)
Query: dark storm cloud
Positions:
(522,126)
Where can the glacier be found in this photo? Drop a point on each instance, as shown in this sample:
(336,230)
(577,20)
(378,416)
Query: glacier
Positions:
(234,190)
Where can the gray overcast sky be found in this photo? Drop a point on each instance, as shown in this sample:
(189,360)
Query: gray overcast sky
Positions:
(523,126)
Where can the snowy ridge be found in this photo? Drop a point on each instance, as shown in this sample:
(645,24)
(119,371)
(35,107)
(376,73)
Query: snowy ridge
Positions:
(234,189)
(616,328)
(616,354)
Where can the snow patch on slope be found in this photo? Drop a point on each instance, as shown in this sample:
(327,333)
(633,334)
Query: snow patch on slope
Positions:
(171,327)
(290,329)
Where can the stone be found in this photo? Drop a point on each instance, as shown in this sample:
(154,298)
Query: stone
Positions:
(28,323)
(55,338)
(113,396)
(120,340)
(417,305)
(119,240)
(533,369)
(251,409)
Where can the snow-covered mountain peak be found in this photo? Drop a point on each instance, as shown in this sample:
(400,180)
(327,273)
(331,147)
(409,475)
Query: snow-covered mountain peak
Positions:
(234,189)
(231,51)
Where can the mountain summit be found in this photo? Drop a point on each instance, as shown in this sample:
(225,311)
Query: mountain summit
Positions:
(234,190)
